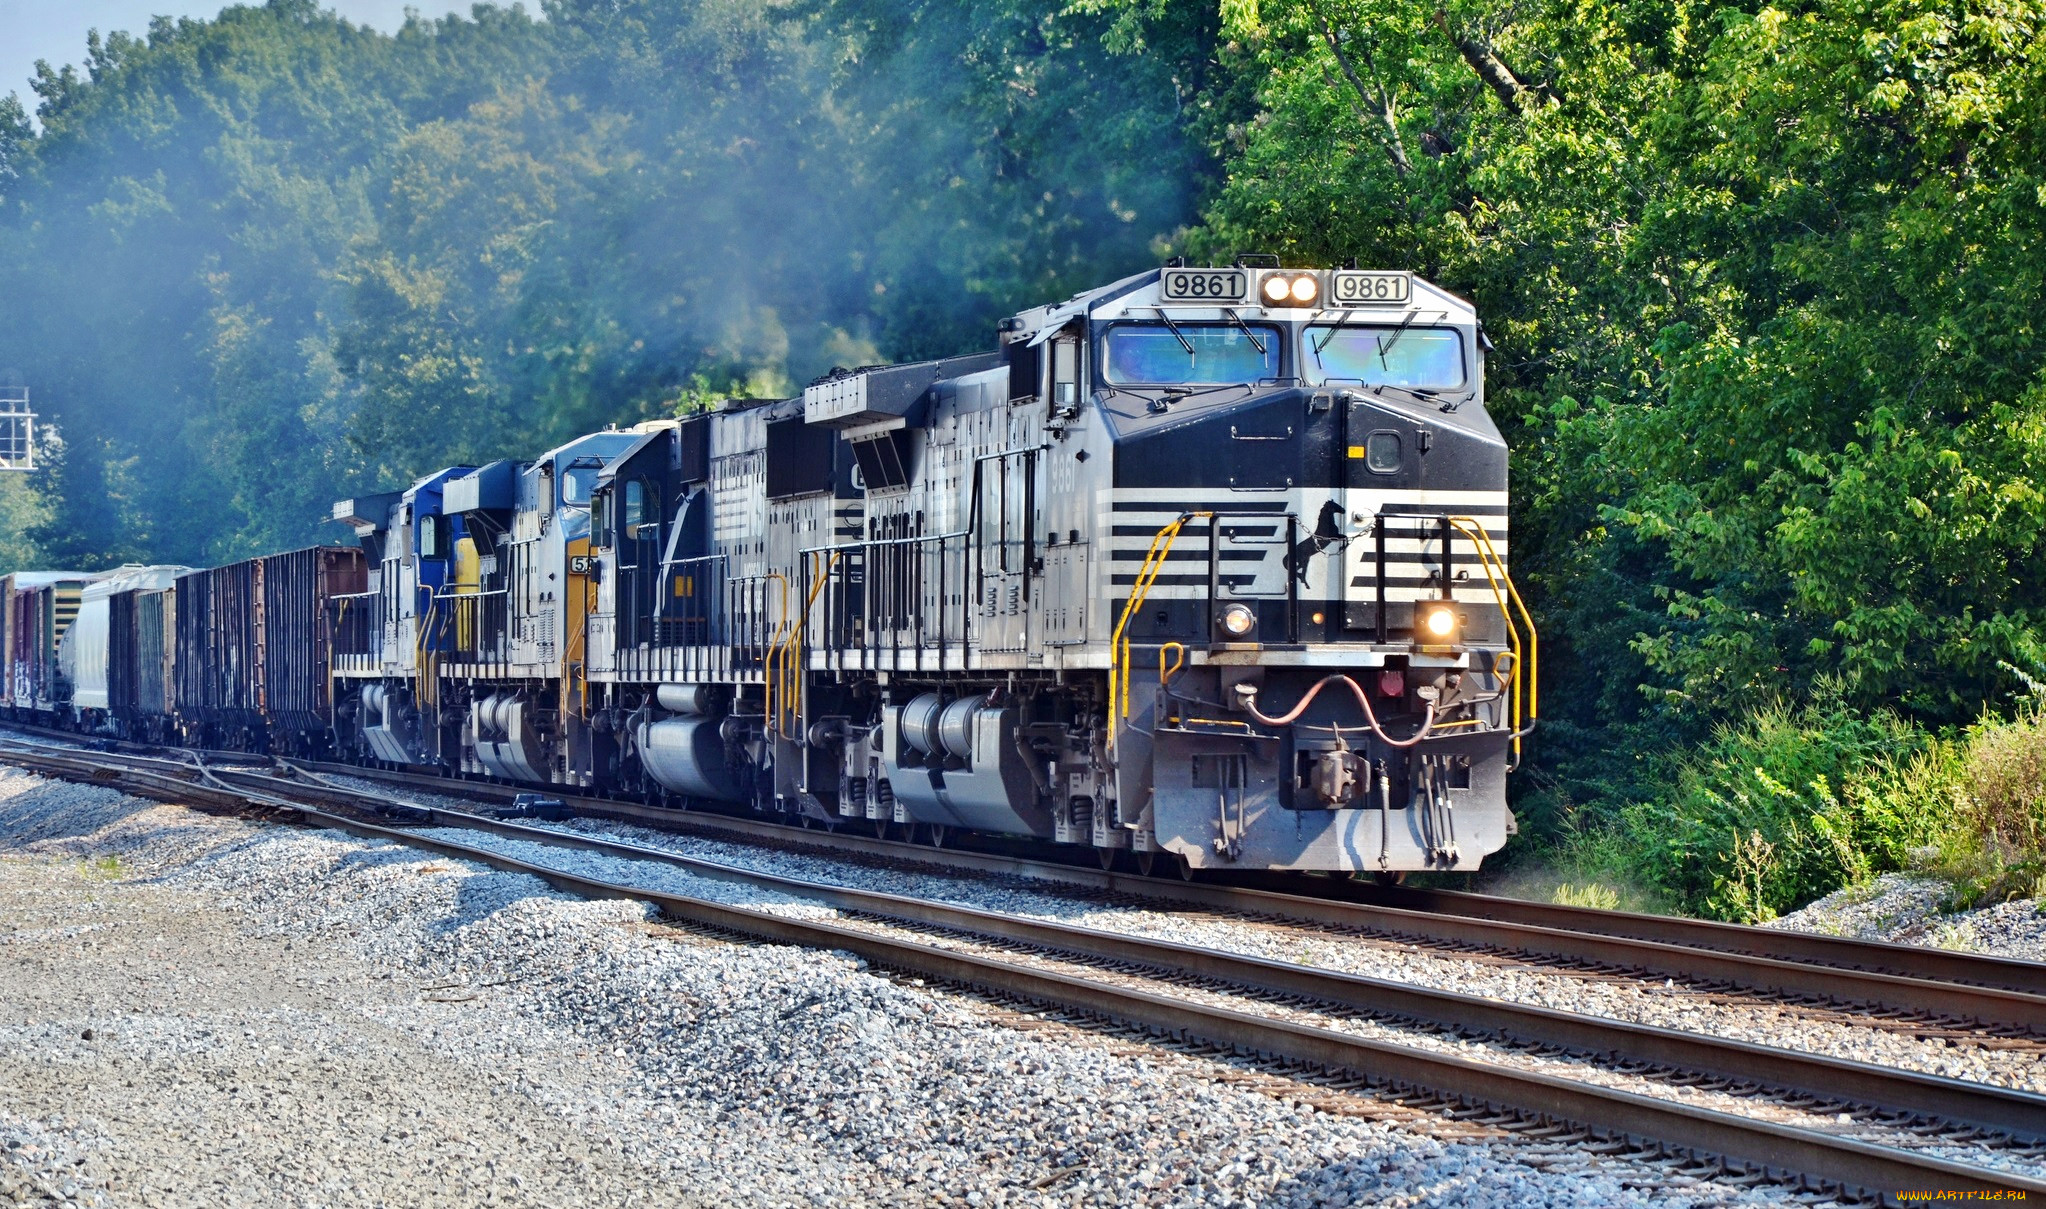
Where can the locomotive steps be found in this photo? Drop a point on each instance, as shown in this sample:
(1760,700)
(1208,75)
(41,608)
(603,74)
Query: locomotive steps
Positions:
(1321,1018)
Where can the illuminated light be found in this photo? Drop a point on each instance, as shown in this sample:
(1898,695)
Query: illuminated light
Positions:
(1318,619)
(1439,622)
(1304,290)
(1237,620)
(1276,288)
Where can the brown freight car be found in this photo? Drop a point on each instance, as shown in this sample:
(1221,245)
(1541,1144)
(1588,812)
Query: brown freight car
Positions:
(296,645)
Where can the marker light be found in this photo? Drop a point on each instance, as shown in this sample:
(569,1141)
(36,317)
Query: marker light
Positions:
(1237,620)
(1438,621)
(1276,289)
(1304,289)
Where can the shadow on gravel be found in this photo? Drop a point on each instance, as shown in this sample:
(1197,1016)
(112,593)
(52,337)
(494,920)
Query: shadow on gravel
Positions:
(34,811)
(479,897)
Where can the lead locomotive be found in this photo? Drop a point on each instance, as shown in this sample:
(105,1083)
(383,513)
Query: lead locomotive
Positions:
(1207,562)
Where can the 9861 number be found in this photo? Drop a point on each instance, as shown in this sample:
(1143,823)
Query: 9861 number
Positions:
(1204,285)
(1353,288)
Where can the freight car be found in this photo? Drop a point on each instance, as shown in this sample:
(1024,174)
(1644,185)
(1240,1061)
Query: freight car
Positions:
(40,607)
(113,647)
(140,619)
(237,656)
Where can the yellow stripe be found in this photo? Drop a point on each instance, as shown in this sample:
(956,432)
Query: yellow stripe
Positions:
(1356,451)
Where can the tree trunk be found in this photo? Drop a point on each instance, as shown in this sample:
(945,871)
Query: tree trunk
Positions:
(1496,75)
(1387,118)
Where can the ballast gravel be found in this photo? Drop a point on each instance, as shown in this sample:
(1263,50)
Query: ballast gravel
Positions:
(1909,909)
(1665,1003)
(203,1011)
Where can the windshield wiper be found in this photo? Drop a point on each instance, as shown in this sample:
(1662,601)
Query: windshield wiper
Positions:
(1333,328)
(1255,343)
(1385,343)
(1172,327)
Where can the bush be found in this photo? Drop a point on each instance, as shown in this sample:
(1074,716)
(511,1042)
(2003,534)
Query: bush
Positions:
(1995,846)
(1785,808)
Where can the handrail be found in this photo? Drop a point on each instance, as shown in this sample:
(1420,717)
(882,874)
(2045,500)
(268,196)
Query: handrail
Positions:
(769,715)
(422,655)
(1118,641)
(792,651)
(1527,687)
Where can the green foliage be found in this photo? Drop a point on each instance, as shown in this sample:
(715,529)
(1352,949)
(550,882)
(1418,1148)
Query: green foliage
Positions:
(1590,894)
(1992,785)
(266,260)
(1783,808)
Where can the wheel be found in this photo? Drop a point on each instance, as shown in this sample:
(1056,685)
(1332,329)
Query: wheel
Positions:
(1390,877)
(883,829)
(1146,861)
(940,835)
(1185,867)
(1107,858)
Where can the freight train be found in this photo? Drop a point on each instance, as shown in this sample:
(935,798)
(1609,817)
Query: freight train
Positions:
(1207,565)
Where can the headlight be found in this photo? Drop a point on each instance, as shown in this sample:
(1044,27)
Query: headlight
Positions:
(1437,621)
(1237,621)
(1291,289)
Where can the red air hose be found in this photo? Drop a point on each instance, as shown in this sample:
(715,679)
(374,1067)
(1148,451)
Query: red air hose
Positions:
(1357,690)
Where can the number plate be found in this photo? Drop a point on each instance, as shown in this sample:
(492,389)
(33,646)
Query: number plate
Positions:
(1225,286)
(1352,288)
(579,564)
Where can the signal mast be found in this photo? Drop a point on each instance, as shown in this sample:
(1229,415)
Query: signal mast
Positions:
(17,424)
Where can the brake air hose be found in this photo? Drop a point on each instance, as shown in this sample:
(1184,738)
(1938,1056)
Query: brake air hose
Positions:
(1249,695)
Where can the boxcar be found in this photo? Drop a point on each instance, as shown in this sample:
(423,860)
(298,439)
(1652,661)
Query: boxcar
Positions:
(86,653)
(40,607)
(138,646)
(215,668)
(295,644)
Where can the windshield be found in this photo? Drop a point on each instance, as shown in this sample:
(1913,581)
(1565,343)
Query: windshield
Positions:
(577,482)
(1386,356)
(1151,354)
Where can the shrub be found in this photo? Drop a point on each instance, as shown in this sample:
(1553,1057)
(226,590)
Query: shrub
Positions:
(1995,846)
(2006,778)
(1782,809)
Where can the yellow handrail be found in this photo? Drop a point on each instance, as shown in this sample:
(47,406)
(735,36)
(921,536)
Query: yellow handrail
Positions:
(1525,688)
(769,715)
(1118,642)
(423,659)
(793,679)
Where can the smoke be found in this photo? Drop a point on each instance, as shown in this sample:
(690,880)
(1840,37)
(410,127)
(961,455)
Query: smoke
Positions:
(274,259)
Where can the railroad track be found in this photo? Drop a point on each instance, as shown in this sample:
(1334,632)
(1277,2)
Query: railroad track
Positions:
(1892,1118)
(1905,988)
(1909,989)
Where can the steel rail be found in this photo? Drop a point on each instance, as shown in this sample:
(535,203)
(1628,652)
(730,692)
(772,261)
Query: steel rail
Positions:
(1877,956)
(1572,934)
(1937,982)
(2017,1112)
(1878,1170)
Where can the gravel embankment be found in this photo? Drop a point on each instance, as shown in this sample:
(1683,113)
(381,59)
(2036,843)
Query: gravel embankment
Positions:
(282,1017)
(1906,908)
